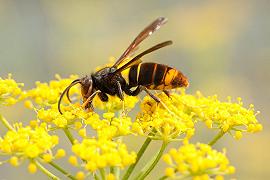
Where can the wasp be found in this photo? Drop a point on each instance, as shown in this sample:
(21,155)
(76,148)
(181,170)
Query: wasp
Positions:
(141,76)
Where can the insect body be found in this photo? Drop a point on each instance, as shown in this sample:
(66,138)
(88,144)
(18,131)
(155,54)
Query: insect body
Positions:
(141,76)
(155,76)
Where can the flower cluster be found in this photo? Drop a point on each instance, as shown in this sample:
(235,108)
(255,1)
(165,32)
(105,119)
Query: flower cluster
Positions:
(165,121)
(71,115)
(199,161)
(179,112)
(47,94)
(27,142)
(115,104)
(103,153)
(110,126)
(227,116)
(10,91)
(98,134)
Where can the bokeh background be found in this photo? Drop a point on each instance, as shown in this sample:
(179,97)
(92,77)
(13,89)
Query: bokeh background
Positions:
(222,46)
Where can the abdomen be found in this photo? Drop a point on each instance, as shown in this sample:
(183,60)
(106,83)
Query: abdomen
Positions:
(156,76)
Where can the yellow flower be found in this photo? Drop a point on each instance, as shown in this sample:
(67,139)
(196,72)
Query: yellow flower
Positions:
(28,142)
(162,122)
(80,175)
(82,132)
(103,153)
(115,104)
(60,153)
(73,160)
(32,168)
(227,116)
(46,94)
(110,177)
(71,117)
(171,120)
(14,161)
(110,126)
(47,157)
(197,161)
(183,110)
(169,172)
(10,91)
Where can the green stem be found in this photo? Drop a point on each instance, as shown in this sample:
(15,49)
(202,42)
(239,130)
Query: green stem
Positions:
(45,171)
(102,173)
(116,171)
(112,170)
(154,163)
(6,123)
(96,177)
(163,177)
(62,170)
(139,155)
(69,135)
(216,138)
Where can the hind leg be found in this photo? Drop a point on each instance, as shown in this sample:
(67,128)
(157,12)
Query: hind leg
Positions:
(150,94)
(167,92)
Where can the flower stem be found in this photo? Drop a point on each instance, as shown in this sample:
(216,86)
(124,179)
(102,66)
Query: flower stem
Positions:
(102,173)
(6,123)
(112,170)
(116,171)
(96,177)
(145,173)
(46,171)
(216,138)
(62,170)
(163,177)
(69,135)
(139,155)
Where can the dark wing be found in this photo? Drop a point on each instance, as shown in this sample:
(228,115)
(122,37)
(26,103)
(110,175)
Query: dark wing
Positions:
(144,34)
(137,59)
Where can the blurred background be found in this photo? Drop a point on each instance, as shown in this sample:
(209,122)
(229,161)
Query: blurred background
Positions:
(222,46)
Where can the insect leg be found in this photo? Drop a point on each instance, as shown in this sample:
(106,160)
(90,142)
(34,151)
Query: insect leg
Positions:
(89,99)
(150,94)
(157,99)
(133,93)
(167,92)
(103,97)
(120,93)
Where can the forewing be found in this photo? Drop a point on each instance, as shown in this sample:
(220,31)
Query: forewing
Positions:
(155,25)
(137,59)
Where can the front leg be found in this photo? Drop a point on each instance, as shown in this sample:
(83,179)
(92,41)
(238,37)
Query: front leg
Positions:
(87,102)
(120,94)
